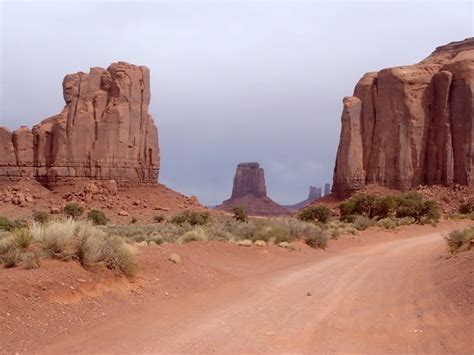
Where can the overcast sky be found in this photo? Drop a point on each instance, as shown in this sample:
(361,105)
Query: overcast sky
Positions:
(231,82)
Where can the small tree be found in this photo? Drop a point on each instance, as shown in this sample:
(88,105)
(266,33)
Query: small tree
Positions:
(240,214)
(315,214)
(73,210)
(97,217)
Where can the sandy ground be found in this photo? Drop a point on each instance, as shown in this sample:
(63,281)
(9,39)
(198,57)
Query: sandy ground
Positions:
(379,292)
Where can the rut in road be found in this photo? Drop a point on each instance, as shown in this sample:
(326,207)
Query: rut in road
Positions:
(373,299)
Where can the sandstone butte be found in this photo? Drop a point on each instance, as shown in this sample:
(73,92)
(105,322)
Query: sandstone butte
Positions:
(104,132)
(249,191)
(410,125)
(315,193)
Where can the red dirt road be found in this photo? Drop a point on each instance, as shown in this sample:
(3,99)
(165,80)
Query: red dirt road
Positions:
(377,298)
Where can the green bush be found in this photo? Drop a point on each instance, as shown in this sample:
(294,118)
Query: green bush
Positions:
(361,222)
(315,214)
(360,204)
(73,210)
(460,240)
(409,204)
(97,217)
(41,217)
(159,218)
(191,217)
(240,214)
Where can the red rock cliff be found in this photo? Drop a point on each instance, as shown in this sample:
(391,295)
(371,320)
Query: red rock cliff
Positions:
(410,125)
(104,132)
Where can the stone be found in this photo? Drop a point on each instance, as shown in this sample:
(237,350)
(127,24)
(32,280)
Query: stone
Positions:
(103,133)
(123,213)
(54,210)
(249,191)
(410,125)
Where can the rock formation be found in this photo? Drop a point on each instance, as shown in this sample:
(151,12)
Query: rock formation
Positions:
(314,194)
(327,189)
(249,191)
(104,132)
(411,125)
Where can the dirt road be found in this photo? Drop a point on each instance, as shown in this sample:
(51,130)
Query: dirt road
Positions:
(378,298)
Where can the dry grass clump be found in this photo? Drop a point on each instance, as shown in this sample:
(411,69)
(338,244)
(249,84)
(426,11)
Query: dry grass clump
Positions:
(194,235)
(66,240)
(460,240)
(260,243)
(362,222)
(245,243)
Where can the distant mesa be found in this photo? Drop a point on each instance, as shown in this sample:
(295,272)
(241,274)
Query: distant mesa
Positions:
(249,191)
(410,125)
(104,132)
(315,193)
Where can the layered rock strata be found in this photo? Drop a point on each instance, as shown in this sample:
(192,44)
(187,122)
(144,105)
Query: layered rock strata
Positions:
(104,132)
(410,125)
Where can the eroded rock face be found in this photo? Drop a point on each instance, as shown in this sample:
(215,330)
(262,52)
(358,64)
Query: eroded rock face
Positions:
(103,133)
(249,179)
(411,125)
(249,191)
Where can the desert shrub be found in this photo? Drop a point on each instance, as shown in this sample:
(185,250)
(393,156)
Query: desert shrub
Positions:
(81,241)
(359,204)
(41,216)
(240,214)
(197,218)
(73,210)
(23,237)
(466,207)
(459,240)
(387,223)
(315,214)
(97,217)
(55,239)
(5,223)
(8,224)
(411,204)
(9,253)
(385,206)
(197,234)
(159,218)
(30,260)
(157,240)
(115,256)
(362,222)
(335,232)
(278,232)
(316,239)
(191,217)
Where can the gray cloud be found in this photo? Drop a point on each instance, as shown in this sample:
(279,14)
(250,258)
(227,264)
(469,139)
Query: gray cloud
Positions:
(231,82)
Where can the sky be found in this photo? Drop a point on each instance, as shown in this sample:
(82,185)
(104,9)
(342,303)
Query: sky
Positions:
(231,82)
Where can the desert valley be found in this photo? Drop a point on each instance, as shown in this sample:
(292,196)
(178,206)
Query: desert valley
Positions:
(97,255)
